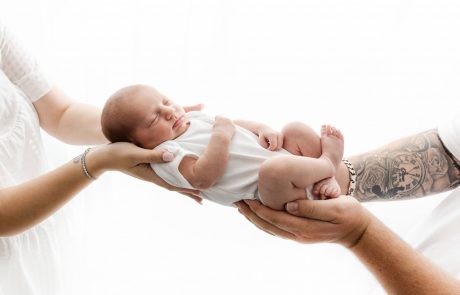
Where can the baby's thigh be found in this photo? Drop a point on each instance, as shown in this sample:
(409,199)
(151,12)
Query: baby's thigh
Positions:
(300,139)
(275,184)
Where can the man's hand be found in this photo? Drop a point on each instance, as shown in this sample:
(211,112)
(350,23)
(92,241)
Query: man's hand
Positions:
(342,220)
(196,107)
(269,138)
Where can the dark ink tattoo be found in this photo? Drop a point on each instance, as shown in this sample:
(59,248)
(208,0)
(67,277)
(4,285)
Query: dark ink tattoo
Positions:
(409,168)
(77,159)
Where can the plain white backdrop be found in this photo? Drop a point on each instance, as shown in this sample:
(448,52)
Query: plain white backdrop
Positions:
(379,70)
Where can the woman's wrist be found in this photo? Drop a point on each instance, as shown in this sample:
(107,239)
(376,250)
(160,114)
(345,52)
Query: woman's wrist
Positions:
(94,162)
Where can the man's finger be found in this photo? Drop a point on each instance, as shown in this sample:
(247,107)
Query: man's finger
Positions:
(288,222)
(324,210)
(244,209)
(197,107)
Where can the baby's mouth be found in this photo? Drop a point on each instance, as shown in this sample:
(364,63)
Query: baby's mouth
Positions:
(178,121)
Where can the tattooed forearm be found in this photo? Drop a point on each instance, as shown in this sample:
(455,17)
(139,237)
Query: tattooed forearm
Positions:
(412,167)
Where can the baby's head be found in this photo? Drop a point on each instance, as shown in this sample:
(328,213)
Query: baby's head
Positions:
(142,115)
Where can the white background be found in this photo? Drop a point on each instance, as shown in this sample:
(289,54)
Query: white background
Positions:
(379,70)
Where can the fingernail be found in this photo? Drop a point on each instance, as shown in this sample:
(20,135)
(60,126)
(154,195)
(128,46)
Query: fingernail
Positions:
(293,206)
(167,156)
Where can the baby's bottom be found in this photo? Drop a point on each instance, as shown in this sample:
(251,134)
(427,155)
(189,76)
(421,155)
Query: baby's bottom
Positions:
(285,178)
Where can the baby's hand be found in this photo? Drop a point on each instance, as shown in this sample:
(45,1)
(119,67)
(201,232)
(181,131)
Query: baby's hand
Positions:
(224,126)
(270,138)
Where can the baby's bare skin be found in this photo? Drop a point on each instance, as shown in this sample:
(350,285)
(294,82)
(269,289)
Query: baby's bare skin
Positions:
(332,144)
(290,176)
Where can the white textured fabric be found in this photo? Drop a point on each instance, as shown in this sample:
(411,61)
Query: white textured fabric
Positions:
(438,236)
(240,178)
(28,263)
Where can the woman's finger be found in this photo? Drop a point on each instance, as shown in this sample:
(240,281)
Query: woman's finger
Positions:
(195,197)
(153,156)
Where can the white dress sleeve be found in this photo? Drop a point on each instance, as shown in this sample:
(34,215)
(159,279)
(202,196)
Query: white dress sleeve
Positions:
(449,133)
(20,67)
(169,171)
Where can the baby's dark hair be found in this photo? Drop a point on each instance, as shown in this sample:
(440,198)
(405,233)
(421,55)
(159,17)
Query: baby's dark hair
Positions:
(116,126)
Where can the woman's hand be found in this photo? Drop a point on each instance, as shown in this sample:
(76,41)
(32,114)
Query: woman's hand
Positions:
(134,161)
(342,220)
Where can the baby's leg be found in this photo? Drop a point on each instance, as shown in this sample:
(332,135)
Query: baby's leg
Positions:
(301,140)
(285,178)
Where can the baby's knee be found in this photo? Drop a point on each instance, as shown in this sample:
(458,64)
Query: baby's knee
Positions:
(298,129)
(301,138)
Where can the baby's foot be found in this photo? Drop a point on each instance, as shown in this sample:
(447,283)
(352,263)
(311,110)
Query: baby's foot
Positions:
(327,188)
(332,145)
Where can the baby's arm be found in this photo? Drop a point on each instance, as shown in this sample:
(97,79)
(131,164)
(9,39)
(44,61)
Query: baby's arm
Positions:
(268,137)
(205,171)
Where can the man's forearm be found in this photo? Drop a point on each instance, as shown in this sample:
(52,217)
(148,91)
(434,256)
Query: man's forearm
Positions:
(412,167)
(398,267)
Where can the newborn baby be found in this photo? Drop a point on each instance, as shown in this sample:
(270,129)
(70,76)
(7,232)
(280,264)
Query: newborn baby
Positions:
(226,160)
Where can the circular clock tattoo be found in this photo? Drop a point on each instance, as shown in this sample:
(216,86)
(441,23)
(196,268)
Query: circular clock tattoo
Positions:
(406,173)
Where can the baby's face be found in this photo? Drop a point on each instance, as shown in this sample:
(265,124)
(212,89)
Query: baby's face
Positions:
(159,119)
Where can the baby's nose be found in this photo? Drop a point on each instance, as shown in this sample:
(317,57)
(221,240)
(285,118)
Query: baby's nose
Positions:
(170,113)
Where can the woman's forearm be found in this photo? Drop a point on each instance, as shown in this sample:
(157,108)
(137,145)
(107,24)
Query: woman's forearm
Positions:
(81,124)
(27,204)
(411,167)
(68,120)
(398,267)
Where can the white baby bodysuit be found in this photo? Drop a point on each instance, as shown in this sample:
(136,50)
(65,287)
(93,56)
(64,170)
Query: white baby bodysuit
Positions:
(240,178)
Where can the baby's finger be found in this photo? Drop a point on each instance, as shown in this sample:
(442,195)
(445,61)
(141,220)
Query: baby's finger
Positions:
(273,141)
(280,141)
(263,141)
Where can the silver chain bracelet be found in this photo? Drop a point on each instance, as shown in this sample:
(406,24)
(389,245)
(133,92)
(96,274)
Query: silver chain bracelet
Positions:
(352,175)
(83,165)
